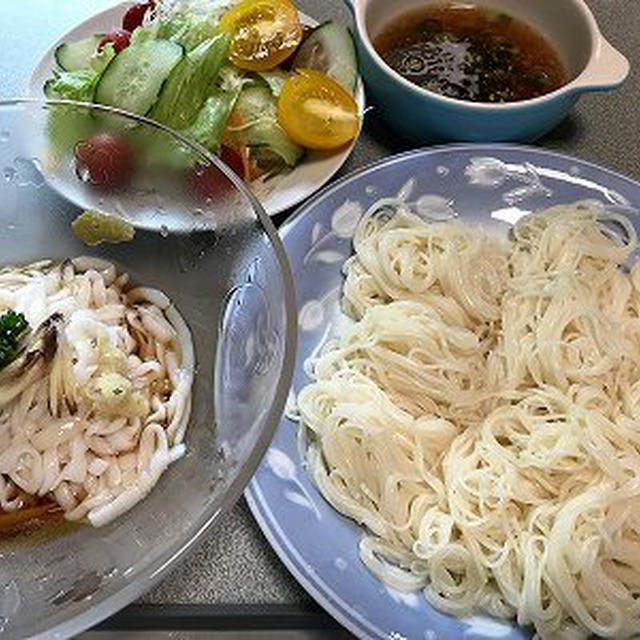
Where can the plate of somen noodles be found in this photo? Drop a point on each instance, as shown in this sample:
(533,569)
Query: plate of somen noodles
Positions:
(460,454)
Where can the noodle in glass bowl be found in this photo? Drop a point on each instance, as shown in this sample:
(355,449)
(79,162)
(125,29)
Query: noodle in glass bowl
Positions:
(154,366)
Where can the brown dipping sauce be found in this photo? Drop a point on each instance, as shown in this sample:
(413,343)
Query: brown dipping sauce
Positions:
(471,53)
(29,519)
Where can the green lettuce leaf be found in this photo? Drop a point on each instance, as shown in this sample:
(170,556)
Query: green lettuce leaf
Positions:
(72,85)
(209,125)
(144,33)
(189,29)
(274,78)
(190,82)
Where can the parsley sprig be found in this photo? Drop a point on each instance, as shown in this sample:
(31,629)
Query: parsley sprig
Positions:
(13,327)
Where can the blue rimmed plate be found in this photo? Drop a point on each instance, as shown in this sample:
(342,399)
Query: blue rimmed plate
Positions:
(491,185)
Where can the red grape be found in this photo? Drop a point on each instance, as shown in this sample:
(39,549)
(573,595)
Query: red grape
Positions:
(232,159)
(104,160)
(206,181)
(119,39)
(135,15)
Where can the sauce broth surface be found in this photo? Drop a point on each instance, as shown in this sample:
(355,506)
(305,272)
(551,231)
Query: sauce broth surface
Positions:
(471,53)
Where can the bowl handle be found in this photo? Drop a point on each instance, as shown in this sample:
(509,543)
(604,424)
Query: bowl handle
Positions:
(607,69)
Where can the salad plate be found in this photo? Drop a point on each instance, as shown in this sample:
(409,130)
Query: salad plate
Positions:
(276,193)
(490,185)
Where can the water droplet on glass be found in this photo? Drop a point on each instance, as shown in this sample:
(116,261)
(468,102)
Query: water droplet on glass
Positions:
(110,573)
(28,172)
(9,173)
(253,270)
(10,600)
(83,174)
(442,171)
(164,231)
(4,135)
(574,171)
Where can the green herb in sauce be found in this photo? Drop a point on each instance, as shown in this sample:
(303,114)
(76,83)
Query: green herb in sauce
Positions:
(13,327)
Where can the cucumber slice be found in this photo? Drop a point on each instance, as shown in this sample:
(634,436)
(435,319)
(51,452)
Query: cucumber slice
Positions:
(256,111)
(189,84)
(329,48)
(72,56)
(134,78)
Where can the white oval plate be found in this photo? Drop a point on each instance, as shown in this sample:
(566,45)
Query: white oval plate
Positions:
(276,194)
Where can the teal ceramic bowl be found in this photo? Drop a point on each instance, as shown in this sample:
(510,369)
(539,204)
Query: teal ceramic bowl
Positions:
(423,116)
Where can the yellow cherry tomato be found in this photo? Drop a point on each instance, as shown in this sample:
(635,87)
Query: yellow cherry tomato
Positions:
(316,111)
(263,33)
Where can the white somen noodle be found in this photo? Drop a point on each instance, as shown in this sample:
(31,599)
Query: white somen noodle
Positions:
(95,408)
(481,418)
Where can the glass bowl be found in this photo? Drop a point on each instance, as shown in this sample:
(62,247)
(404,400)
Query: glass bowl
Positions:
(205,241)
